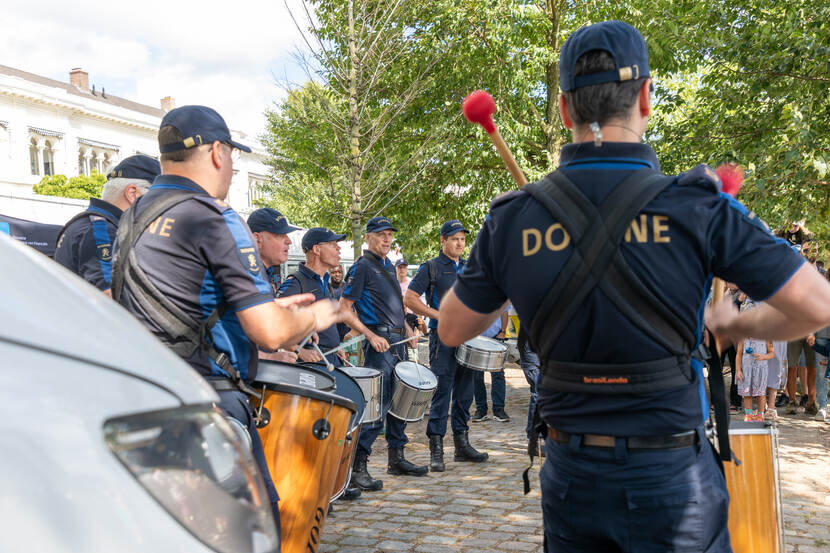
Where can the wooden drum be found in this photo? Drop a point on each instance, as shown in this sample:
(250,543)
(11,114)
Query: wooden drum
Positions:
(755,516)
(303,444)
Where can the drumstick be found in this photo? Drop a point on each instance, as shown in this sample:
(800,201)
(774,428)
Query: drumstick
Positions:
(329,366)
(417,335)
(479,107)
(351,341)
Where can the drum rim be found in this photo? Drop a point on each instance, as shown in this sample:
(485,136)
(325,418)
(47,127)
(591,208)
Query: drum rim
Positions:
(312,393)
(434,376)
(376,372)
(295,366)
(502,346)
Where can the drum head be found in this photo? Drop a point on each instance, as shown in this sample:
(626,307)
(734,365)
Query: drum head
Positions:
(348,388)
(274,372)
(360,372)
(486,344)
(416,375)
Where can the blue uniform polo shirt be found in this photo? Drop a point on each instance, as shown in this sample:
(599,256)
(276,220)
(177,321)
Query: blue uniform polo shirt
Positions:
(86,246)
(313,284)
(444,279)
(376,300)
(683,237)
(199,253)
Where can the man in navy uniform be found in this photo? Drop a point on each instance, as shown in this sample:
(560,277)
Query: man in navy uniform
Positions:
(628,466)
(271,229)
(322,252)
(84,245)
(198,282)
(372,289)
(433,279)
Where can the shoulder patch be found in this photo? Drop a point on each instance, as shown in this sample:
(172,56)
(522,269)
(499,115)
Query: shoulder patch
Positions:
(104,252)
(701,176)
(505,197)
(248,258)
(214,203)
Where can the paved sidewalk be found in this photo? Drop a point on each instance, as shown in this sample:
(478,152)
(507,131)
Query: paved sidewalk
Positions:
(480,507)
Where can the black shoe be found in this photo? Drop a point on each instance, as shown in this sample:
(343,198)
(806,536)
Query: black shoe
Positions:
(803,401)
(782,400)
(361,477)
(436,454)
(465,452)
(479,416)
(400,466)
(500,416)
(352,492)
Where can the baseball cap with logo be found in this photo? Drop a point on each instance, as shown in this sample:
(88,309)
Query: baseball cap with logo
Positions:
(138,166)
(401,263)
(198,125)
(318,235)
(623,43)
(268,219)
(451,227)
(377,224)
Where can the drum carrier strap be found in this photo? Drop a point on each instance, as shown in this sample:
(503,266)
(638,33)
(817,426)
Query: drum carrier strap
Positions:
(432,268)
(183,334)
(597,262)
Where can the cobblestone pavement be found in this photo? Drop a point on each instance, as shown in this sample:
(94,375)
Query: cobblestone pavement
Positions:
(480,507)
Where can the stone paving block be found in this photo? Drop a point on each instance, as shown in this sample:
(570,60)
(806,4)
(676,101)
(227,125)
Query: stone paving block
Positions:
(358,540)
(445,540)
(518,546)
(391,545)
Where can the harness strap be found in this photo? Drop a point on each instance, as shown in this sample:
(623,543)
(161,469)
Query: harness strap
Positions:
(597,262)
(86,213)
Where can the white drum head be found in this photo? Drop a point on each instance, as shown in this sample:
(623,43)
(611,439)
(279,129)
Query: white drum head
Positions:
(416,376)
(486,344)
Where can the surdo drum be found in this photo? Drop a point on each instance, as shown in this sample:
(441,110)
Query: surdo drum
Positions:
(481,354)
(371,382)
(414,387)
(349,388)
(303,440)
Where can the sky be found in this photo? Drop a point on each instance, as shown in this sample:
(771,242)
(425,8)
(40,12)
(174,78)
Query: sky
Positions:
(224,54)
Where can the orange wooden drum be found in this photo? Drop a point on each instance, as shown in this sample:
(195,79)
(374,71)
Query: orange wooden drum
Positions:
(303,442)
(755,517)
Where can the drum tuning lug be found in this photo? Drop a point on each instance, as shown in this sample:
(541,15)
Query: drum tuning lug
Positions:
(321,429)
(263,417)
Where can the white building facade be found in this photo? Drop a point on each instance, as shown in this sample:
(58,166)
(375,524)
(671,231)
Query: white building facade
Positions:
(49,127)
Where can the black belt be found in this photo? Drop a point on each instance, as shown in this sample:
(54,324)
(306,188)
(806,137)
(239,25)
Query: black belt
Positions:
(672,441)
(385,329)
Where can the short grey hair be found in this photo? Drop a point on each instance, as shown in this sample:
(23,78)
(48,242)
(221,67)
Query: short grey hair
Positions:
(114,188)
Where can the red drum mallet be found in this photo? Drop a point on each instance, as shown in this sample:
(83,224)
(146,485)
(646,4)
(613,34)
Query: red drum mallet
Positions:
(479,107)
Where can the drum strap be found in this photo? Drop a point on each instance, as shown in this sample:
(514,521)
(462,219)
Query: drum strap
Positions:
(717,391)
(182,333)
(597,263)
(107,216)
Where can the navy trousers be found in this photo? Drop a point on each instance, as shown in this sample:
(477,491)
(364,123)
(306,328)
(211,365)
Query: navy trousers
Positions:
(385,363)
(498,390)
(455,382)
(236,405)
(633,501)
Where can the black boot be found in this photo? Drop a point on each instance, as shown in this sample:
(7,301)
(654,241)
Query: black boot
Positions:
(352,492)
(398,465)
(361,477)
(464,451)
(436,453)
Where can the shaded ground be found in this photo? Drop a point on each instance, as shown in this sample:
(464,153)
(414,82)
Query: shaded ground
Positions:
(480,507)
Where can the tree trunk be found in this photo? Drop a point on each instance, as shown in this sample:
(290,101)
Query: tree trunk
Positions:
(354,140)
(553,140)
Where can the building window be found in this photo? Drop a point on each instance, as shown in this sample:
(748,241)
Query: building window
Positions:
(48,159)
(34,163)
(256,189)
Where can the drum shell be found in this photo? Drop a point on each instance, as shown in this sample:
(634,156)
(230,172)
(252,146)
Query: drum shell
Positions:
(409,403)
(344,469)
(303,467)
(350,388)
(479,359)
(755,513)
(372,387)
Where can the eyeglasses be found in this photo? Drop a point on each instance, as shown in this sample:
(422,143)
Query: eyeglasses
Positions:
(234,151)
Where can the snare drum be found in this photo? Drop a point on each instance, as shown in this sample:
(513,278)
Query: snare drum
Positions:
(303,444)
(755,516)
(349,388)
(481,354)
(371,382)
(414,387)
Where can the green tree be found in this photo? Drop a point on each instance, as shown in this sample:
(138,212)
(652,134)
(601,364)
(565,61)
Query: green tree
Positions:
(81,187)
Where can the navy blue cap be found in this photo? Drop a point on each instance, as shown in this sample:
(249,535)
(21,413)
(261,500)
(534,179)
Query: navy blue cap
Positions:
(318,235)
(138,166)
(268,219)
(451,227)
(623,42)
(377,224)
(198,125)
(400,262)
